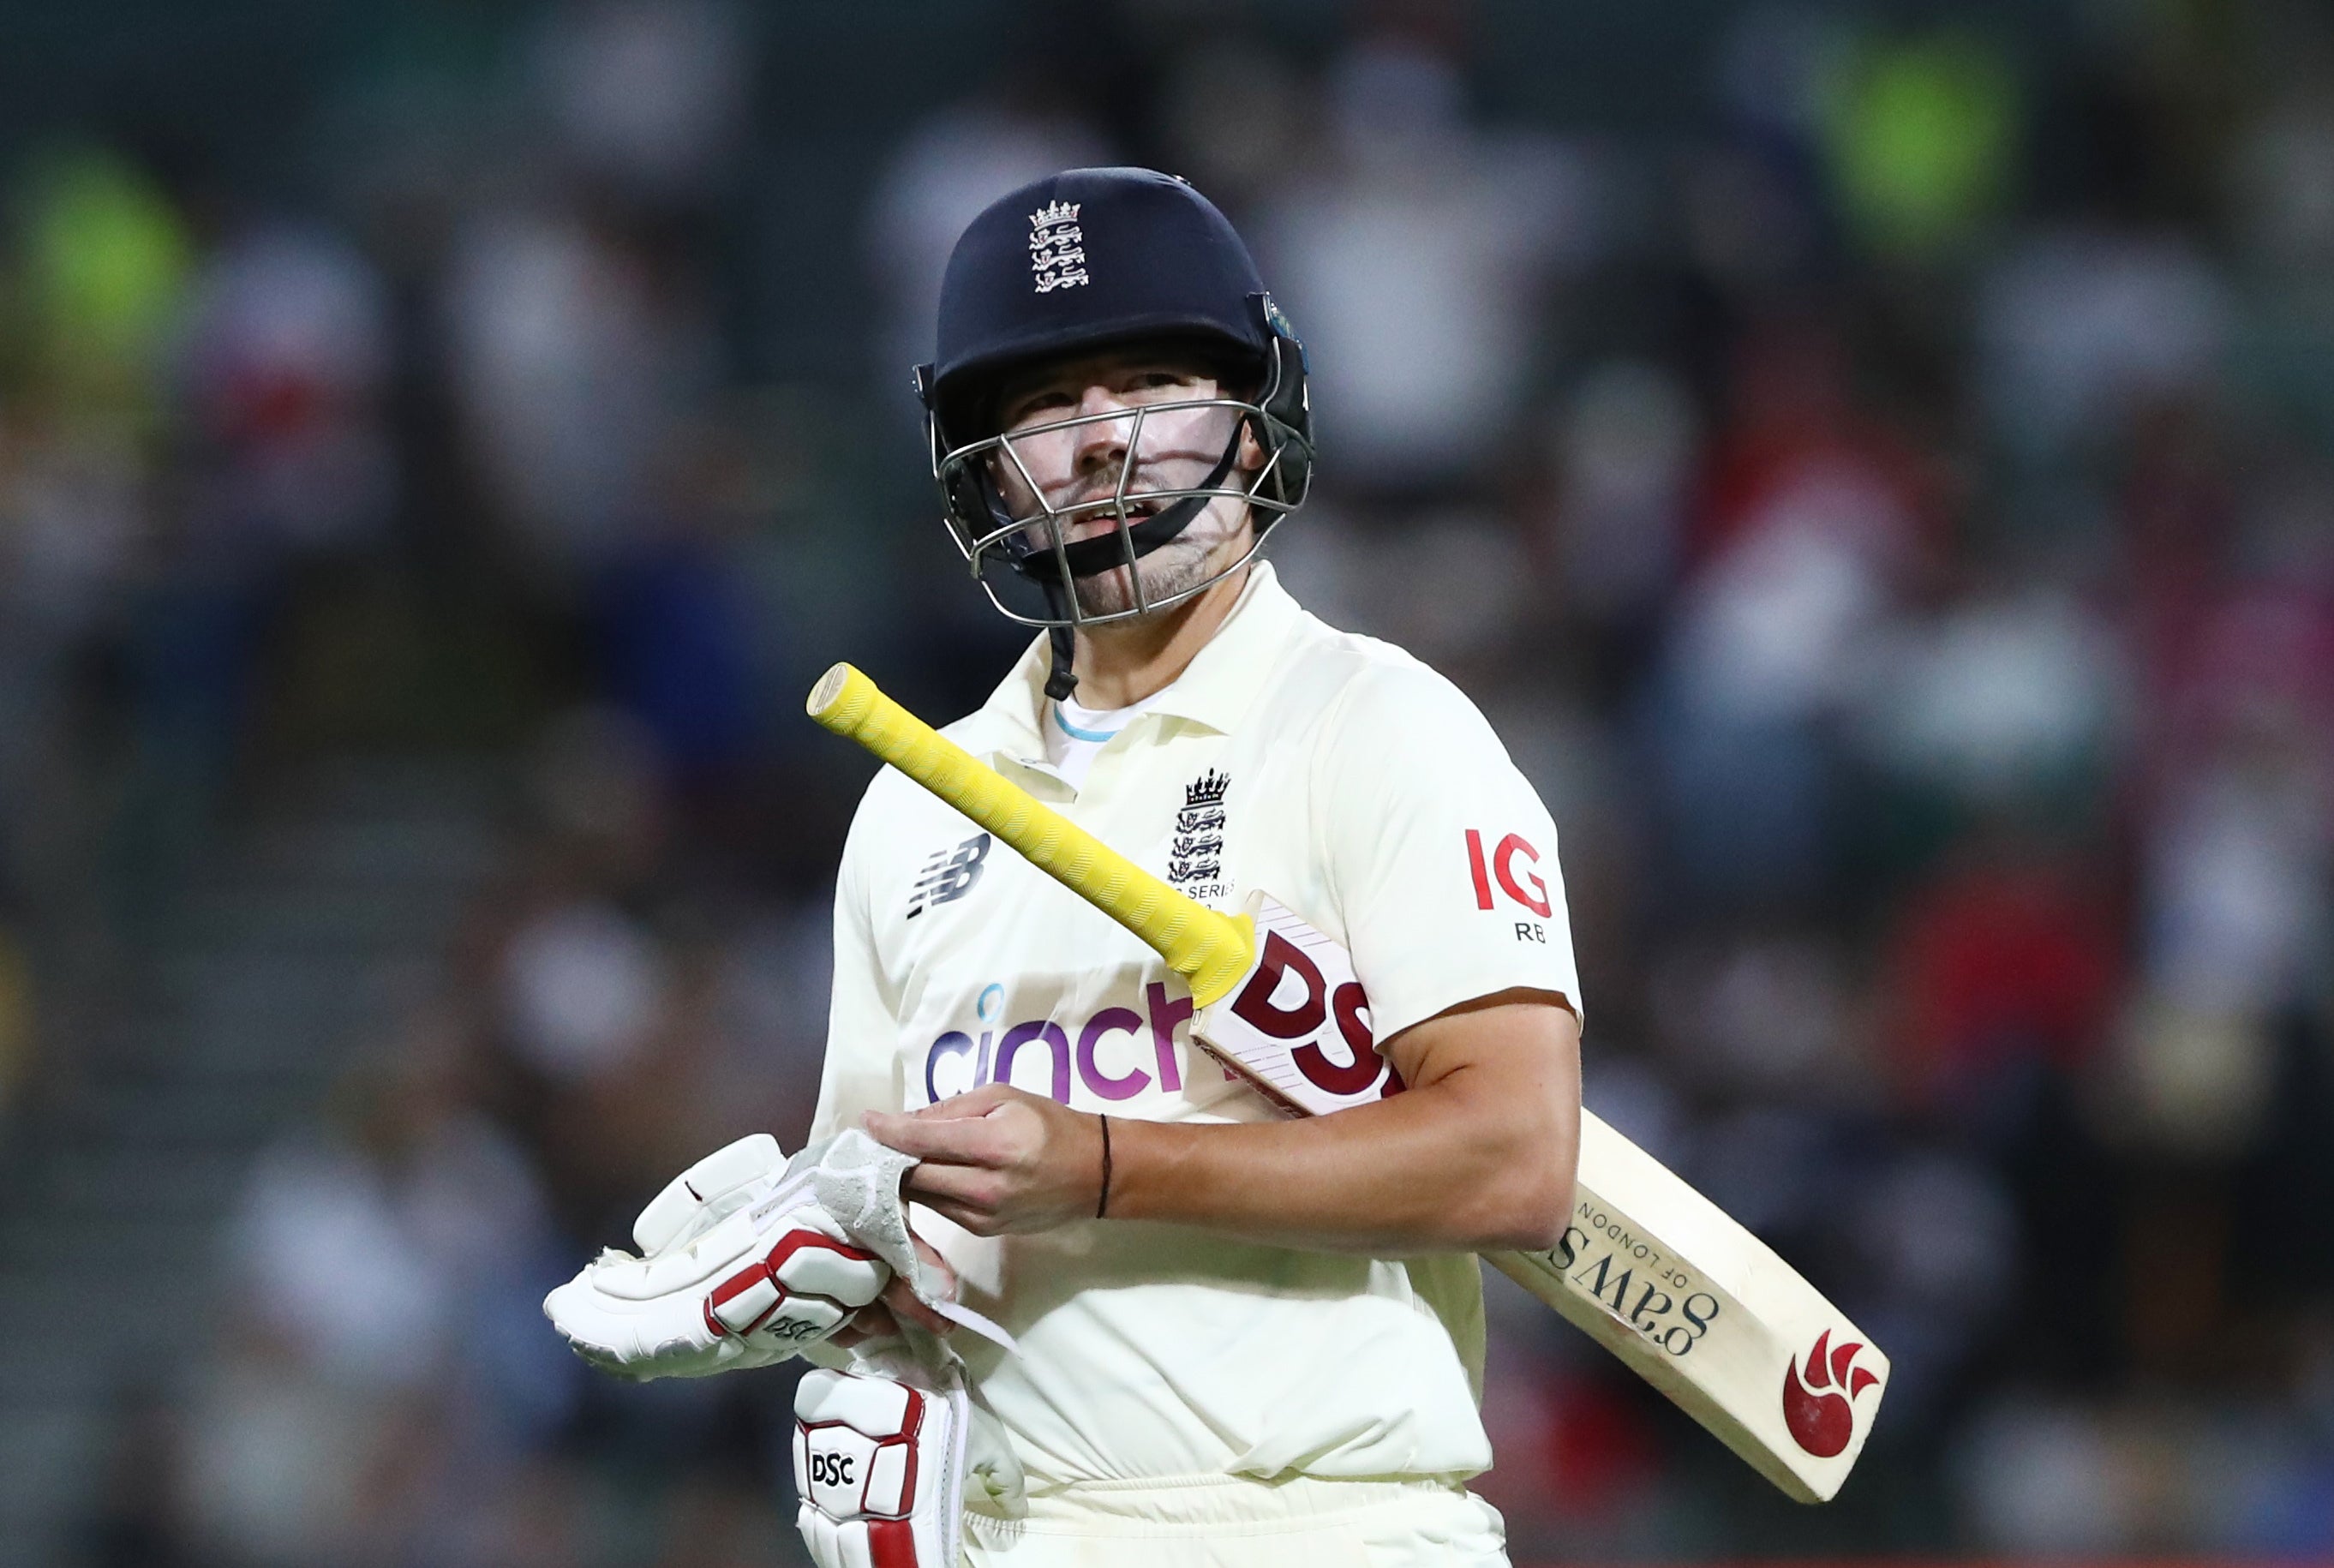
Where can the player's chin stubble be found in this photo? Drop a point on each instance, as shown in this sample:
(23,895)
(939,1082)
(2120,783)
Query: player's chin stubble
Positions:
(1112,591)
(1176,567)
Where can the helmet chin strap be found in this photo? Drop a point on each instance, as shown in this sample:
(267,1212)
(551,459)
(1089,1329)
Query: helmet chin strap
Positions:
(1088,557)
(1061,679)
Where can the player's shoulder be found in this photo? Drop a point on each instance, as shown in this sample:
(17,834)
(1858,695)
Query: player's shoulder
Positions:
(896,816)
(1364,689)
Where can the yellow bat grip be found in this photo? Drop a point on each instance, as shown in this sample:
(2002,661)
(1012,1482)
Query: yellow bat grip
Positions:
(1209,950)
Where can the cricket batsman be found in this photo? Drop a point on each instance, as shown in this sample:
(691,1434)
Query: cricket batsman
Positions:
(1078,1293)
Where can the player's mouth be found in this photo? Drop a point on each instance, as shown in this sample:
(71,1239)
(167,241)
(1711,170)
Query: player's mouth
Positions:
(1103,519)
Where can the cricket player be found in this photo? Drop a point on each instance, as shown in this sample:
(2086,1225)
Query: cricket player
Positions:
(1235,1339)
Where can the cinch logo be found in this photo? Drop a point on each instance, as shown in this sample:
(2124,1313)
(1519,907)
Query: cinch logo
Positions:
(1106,1053)
(1822,1423)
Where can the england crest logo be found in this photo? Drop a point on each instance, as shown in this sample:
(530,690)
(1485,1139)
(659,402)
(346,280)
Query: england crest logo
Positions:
(1057,255)
(1195,855)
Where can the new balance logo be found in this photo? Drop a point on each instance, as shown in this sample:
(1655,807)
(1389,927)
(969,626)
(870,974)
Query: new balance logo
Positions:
(949,874)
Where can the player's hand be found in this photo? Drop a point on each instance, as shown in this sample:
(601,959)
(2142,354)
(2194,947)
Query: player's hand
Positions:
(998,1161)
(881,1318)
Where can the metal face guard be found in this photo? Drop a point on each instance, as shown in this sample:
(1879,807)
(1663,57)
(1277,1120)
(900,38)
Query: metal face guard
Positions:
(1011,552)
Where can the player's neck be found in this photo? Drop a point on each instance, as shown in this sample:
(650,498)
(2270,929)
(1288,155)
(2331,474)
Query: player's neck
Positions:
(1127,662)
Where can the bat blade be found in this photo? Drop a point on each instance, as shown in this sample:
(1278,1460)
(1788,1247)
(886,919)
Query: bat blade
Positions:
(1707,1313)
(1649,1268)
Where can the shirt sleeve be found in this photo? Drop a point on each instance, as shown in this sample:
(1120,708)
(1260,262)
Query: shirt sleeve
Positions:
(862,1030)
(1441,860)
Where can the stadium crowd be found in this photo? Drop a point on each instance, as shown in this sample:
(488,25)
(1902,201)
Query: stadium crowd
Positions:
(1884,496)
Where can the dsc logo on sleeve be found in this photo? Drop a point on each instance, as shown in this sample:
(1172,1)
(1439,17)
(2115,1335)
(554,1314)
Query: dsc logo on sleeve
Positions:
(1508,866)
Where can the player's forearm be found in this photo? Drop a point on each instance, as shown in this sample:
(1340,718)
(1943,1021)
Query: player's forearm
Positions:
(1480,1156)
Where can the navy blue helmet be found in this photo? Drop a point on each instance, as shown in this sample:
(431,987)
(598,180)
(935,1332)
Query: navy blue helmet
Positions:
(1087,261)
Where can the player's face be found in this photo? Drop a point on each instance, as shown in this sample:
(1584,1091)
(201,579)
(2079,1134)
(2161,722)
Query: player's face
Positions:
(1081,434)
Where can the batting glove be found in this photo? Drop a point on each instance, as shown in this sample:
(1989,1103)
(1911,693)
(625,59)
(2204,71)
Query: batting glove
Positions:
(884,1461)
(738,1267)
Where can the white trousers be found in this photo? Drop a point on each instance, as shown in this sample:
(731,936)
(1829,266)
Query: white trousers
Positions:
(1231,1522)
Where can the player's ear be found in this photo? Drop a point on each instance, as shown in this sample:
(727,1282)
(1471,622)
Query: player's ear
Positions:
(1252,455)
(1251,450)
(1243,383)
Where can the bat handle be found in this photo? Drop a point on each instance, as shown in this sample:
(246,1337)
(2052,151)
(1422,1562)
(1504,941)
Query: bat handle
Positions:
(1209,949)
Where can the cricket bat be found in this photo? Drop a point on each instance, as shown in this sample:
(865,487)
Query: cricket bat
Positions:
(1652,1270)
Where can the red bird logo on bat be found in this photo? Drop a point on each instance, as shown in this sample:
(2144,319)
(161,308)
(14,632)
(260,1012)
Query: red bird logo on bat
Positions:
(1822,1423)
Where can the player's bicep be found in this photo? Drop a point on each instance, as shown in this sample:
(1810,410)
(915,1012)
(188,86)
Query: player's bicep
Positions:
(1522,1041)
(1501,1075)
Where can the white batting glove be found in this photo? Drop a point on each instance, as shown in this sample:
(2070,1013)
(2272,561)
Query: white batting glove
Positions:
(740,1267)
(882,1464)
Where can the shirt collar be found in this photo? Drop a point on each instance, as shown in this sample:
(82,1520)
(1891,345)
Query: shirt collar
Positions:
(1214,689)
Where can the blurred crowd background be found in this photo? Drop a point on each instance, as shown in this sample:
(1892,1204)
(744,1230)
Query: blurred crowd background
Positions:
(1874,463)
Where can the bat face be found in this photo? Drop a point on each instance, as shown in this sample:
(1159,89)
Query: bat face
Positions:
(1297,1024)
(1649,1268)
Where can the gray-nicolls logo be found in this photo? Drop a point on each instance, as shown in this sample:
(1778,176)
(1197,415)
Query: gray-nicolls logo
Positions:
(949,874)
(1057,246)
(1195,855)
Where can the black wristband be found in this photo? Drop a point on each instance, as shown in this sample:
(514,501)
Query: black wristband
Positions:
(1102,1202)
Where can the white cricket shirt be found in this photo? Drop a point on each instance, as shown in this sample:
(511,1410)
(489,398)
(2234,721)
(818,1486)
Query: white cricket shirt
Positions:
(1366,795)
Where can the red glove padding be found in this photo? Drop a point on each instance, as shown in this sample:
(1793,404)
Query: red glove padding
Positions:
(879,1465)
